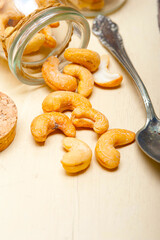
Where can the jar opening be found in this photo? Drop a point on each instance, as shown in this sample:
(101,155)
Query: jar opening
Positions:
(73,31)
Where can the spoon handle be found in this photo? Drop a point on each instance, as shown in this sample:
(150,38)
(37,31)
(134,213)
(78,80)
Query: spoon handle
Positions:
(107,32)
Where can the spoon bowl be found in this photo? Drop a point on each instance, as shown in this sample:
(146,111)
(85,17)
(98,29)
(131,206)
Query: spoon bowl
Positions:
(148,138)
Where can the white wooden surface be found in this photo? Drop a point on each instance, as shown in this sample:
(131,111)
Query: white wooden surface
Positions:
(38,200)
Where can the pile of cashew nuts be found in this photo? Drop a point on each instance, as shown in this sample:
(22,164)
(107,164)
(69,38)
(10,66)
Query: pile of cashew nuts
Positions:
(88,68)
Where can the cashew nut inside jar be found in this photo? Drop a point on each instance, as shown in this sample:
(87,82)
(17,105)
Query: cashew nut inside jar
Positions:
(33,30)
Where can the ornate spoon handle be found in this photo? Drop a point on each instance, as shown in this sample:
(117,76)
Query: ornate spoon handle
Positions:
(107,32)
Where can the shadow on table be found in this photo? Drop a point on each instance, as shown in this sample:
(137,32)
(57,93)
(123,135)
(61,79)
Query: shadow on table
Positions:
(154,166)
(11,80)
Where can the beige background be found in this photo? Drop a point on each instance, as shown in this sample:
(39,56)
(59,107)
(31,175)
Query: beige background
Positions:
(38,200)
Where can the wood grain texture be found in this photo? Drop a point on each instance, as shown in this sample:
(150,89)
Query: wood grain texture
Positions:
(38,200)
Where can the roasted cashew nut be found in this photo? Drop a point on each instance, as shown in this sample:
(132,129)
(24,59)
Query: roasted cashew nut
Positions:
(10,15)
(35,43)
(54,25)
(91,5)
(50,41)
(9,20)
(63,100)
(86,80)
(43,38)
(96,120)
(45,3)
(79,156)
(106,153)
(55,79)
(47,123)
(103,77)
(84,57)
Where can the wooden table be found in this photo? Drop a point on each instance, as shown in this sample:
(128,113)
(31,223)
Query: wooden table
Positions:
(38,200)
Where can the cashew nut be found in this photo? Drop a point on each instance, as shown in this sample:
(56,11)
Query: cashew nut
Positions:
(84,57)
(44,3)
(10,16)
(91,5)
(103,77)
(8,30)
(86,80)
(35,43)
(43,38)
(106,153)
(46,123)
(97,120)
(50,41)
(54,25)
(79,156)
(55,79)
(63,100)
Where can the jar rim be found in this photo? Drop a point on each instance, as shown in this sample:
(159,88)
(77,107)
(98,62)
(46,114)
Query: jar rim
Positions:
(29,29)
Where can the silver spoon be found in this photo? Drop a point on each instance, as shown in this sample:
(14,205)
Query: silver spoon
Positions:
(148,137)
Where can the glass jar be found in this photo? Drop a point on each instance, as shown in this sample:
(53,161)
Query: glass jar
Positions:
(91,8)
(28,27)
